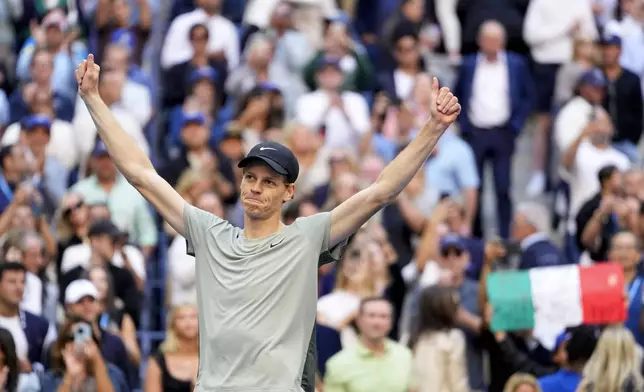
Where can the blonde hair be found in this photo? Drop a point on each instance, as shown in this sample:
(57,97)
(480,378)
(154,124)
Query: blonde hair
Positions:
(614,362)
(576,48)
(519,379)
(64,230)
(171,342)
(368,285)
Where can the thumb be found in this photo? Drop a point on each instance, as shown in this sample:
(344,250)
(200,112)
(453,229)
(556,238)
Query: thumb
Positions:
(435,86)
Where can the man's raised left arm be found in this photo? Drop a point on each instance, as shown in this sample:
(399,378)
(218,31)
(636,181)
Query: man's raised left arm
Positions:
(353,213)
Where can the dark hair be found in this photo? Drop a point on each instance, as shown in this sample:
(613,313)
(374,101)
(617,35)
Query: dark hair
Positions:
(367,300)
(581,344)
(605,173)
(8,348)
(65,335)
(437,309)
(10,266)
(110,301)
(5,151)
(198,26)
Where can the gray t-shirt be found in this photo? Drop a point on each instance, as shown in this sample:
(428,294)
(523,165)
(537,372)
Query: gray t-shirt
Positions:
(257,301)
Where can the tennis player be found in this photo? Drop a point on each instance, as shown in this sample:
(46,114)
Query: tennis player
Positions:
(257,287)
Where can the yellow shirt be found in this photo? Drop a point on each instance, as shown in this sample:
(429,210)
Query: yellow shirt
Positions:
(358,369)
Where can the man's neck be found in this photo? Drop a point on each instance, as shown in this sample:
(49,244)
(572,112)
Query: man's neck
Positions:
(255,228)
(200,59)
(613,71)
(376,346)
(107,183)
(7,310)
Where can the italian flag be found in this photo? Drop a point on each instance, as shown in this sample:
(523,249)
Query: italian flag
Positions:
(549,299)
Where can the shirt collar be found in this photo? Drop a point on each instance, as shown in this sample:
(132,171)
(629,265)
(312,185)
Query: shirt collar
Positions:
(500,58)
(533,239)
(366,352)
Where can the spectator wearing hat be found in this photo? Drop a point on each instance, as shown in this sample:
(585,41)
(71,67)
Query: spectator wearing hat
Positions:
(81,303)
(31,333)
(196,153)
(341,117)
(496,93)
(41,81)
(629,29)
(104,243)
(178,79)
(52,35)
(129,210)
(223,41)
(115,17)
(410,14)
(623,99)
(530,228)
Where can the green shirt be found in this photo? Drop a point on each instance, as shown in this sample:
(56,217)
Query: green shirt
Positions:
(358,369)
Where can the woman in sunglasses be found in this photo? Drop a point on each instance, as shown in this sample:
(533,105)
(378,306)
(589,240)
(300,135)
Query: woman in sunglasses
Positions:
(72,224)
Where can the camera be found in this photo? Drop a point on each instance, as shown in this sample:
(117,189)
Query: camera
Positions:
(82,333)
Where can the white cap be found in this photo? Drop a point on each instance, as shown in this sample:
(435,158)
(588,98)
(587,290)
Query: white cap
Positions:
(80,289)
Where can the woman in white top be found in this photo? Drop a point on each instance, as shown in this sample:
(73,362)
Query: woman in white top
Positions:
(439,347)
(569,73)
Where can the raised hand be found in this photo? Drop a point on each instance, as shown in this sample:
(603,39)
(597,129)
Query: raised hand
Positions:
(443,105)
(87,77)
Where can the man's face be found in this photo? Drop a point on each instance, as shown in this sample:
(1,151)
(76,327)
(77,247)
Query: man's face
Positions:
(32,256)
(194,135)
(199,39)
(37,140)
(633,183)
(414,10)
(330,78)
(455,260)
(16,161)
(53,36)
(102,245)
(116,58)
(520,227)
(104,167)
(374,322)
(491,43)
(42,67)
(624,250)
(263,192)
(86,308)
(406,51)
(615,184)
(592,94)
(610,54)
(12,287)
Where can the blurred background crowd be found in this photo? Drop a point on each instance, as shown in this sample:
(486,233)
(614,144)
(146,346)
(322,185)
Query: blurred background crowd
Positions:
(543,168)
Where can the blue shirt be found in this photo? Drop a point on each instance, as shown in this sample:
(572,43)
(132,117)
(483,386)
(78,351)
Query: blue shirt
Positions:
(452,168)
(561,381)
(51,382)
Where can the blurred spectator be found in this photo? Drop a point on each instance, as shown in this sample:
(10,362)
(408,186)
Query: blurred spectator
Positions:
(341,117)
(340,161)
(4,110)
(522,382)
(306,145)
(112,317)
(82,365)
(114,18)
(439,347)
(530,228)
(495,92)
(353,60)
(175,366)
(410,15)
(400,82)
(615,363)
(550,28)
(32,334)
(629,29)
(623,100)
(72,224)
(129,210)
(10,380)
(138,86)
(178,79)
(223,41)
(345,186)
(14,167)
(569,73)
(374,362)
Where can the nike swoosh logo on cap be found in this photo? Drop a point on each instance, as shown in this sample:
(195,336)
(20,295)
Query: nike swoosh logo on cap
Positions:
(266,148)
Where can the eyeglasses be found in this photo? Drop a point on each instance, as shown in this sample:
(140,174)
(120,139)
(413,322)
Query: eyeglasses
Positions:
(68,211)
(452,251)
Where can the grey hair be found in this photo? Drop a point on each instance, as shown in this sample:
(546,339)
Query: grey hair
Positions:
(255,42)
(30,236)
(536,214)
(492,26)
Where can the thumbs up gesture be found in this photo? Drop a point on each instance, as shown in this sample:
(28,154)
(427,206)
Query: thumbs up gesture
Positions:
(87,77)
(444,106)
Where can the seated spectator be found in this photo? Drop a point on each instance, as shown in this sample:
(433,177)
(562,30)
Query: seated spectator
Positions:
(579,346)
(182,284)
(530,227)
(354,368)
(223,41)
(340,161)
(569,73)
(604,214)
(615,363)
(41,69)
(118,58)
(175,366)
(32,334)
(353,60)
(81,366)
(178,79)
(341,117)
(113,17)
(112,317)
(12,378)
(438,346)
(72,224)
(400,82)
(314,170)
(13,161)
(129,210)
(103,242)
(81,305)
(522,382)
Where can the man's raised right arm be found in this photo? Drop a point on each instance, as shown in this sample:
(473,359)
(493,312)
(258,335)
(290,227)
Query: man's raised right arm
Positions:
(128,157)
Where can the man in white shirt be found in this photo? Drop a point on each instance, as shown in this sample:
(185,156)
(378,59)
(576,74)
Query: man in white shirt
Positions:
(223,41)
(341,116)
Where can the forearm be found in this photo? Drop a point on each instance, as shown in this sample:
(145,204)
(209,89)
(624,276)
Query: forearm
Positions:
(471,199)
(67,385)
(103,382)
(427,250)
(145,15)
(128,157)
(590,234)
(7,216)
(410,214)
(395,177)
(568,159)
(51,246)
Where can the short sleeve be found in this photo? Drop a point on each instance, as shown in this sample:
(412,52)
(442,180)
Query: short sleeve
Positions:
(468,176)
(197,224)
(316,229)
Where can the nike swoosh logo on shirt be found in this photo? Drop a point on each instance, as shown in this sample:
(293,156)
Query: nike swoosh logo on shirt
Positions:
(274,245)
(266,148)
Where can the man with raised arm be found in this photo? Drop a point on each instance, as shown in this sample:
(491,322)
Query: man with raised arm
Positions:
(257,287)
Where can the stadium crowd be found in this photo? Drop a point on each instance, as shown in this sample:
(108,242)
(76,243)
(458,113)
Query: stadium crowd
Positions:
(98,294)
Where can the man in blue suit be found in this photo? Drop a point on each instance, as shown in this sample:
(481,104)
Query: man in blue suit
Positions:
(496,93)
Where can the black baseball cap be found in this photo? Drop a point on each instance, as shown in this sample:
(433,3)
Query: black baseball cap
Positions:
(277,156)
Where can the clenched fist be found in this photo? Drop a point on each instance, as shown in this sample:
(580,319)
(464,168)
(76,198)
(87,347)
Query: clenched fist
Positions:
(87,77)
(444,106)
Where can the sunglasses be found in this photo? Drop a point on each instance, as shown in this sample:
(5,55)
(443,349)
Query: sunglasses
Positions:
(452,251)
(68,211)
